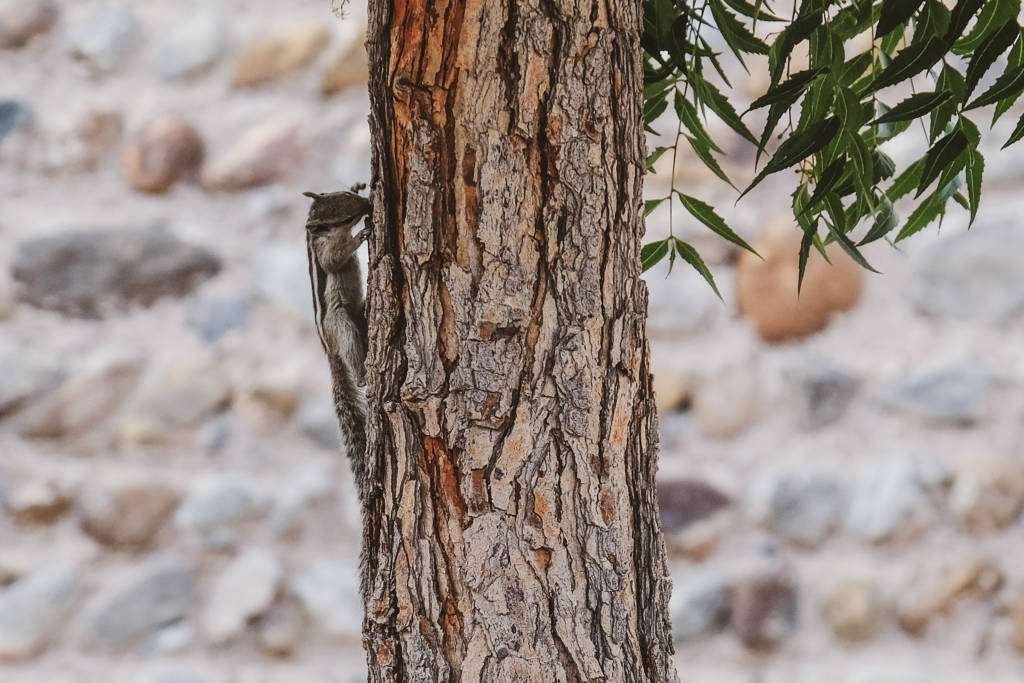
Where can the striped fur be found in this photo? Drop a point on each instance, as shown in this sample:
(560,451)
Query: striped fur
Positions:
(337,288)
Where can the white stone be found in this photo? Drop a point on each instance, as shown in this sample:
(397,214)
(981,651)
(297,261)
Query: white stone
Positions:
(329,593)
(33,608)
(243,590)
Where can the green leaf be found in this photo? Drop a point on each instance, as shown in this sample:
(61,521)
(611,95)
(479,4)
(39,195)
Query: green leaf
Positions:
(855,67)
(894,13)
(829,177)
(799,146)
(882,164)
(925,213)
(1008,85)
(704,154)
(891,41)
(885,222)
(994,14)
(933,22)
(1014,62)
(791,36)
(850,248)
(906,181)
(974,170)
(1018,133)
(942,154)
(690,255)
(852,20)
(789,90)
(755,13)
(651,204)
(987,53)
(816,104)
(713,58)
(951,80)
(775,113)
(653,157)
(652,253)
(706,215)
(848,109)
(719,103)
(687,113)
(863,168)
(914,107)
(910,61)
(961,16)
(653,108)
(810,232)
(740,40)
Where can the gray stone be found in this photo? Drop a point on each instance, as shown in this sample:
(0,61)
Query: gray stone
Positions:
(193,43)
(105,37)
(699,603)
(244,589)
(13,114)
(685,501)
(976,276)
(319,422)
(828,393)
(155,594)
(213,317)
(94,392)
(329,594)
(214,434)
(33,609)
(24,375)
(764,609)
(801,505)
(885,499)
(85,273)
(281,275)
(217,500)
(954,394)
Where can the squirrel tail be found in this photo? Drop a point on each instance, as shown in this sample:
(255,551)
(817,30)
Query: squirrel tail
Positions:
(351,409)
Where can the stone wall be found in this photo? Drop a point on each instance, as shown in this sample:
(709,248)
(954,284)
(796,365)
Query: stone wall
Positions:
(841,479)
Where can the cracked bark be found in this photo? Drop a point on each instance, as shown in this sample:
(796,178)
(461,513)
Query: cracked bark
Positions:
(511,532)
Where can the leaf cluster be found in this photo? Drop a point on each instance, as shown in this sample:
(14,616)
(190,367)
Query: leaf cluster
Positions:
(836,108)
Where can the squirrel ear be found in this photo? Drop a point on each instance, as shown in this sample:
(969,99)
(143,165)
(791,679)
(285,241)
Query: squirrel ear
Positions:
(312,195)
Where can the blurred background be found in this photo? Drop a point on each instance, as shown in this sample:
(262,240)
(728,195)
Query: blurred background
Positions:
(841,476)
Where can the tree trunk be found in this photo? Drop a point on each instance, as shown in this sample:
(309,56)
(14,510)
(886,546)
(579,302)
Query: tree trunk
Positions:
(512,531)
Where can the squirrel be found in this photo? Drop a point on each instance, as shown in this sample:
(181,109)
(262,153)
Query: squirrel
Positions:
(338,308)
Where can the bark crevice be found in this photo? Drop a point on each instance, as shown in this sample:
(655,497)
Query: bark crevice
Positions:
(512,532)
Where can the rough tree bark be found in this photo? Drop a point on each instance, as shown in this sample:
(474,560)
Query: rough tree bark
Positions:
(512,529)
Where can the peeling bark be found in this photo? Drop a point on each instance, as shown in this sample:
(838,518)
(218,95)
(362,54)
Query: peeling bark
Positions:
(512,529)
